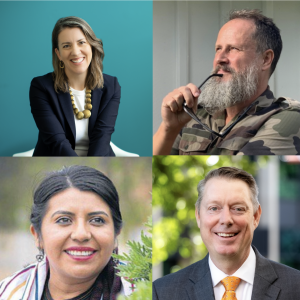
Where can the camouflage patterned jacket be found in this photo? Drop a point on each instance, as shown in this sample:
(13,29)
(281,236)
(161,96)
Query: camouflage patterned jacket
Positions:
(270,127)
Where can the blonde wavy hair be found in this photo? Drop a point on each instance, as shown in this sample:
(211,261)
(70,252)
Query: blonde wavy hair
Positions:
(94,78)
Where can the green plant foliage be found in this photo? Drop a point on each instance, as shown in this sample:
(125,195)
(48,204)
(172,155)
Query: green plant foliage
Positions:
(143,292)
(138,269)
(175,179)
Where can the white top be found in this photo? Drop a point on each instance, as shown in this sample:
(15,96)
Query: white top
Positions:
(81,126)
(245,272)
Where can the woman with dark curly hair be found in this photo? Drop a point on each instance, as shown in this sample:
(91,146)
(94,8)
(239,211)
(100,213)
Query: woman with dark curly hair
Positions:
(75,107)
(75,219)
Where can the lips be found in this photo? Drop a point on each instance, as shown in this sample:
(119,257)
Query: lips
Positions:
(226,235)
(77,60)
(80,251)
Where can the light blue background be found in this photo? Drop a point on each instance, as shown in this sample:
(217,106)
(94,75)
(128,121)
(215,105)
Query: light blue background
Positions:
(126,31)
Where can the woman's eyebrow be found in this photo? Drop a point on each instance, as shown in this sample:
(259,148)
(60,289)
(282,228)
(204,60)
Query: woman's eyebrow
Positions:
(98,213)
(62,212)
(71,43)
(65,212)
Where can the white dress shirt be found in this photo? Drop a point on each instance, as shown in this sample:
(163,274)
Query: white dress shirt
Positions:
(82,137)
(245,272)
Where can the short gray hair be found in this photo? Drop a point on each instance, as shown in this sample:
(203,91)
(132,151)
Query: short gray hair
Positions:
(267,34)
(230,173)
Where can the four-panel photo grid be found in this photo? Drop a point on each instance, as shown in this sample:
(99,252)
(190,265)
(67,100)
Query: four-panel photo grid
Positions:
(154,152)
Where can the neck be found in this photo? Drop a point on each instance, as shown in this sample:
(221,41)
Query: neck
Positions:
(229,264)
(62,288)
(77,81)
(232,111)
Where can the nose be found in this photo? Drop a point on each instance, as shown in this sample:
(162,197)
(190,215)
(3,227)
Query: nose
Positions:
(221,57)
(81,232)
(226,217)
(75,50)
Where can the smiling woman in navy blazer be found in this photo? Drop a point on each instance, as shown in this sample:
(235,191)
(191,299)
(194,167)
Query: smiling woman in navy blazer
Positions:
(75,107)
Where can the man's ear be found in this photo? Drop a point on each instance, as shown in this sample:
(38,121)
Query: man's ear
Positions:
(268,57)
(38,242)
(197,214)
(257,216)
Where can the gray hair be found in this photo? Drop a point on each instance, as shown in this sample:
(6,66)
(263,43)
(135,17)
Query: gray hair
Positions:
(266,35)
(230,173)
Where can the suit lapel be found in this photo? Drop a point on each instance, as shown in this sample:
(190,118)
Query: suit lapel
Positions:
(200,284)
(265,276)
(66,105)
(96,100)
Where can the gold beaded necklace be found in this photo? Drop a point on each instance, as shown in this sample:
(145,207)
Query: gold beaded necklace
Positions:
(88,106)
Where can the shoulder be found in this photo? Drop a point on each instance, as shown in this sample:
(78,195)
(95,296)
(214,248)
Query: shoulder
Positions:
(176,278)
(285,272)
(18,279)
(110,82)
(288,103)
(45,79)
(282,276)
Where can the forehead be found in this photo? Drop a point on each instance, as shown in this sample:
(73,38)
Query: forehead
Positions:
(237,31)
(77,201)
(226,190)
(69,34)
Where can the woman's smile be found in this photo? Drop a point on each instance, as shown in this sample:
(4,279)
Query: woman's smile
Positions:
(74,51)
(81,253)
(77,234)
(77,61)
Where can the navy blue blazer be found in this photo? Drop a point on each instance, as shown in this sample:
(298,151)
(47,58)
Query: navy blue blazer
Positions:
(54,117)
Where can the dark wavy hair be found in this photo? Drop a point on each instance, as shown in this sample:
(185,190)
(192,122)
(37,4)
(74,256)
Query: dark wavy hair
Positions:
(82,178)
(94,78)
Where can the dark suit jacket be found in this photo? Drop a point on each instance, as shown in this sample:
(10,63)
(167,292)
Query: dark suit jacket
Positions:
(272,281)
(54,117)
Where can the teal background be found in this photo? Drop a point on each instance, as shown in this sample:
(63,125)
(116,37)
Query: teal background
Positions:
(126,31)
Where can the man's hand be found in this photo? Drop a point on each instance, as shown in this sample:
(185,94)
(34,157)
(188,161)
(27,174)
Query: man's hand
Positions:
(174,117)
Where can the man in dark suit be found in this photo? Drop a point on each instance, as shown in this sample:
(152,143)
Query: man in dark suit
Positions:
(227,213)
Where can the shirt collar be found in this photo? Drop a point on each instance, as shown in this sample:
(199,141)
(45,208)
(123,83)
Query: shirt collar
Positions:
(245,272)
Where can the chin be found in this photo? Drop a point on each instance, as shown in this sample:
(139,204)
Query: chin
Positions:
(226,250)
(82,273)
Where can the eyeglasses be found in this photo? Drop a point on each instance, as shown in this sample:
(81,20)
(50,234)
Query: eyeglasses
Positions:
(190,112)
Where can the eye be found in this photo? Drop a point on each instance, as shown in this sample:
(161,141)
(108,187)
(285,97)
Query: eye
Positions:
(97,221)
(239,209)
(213,208)
(217,49)
(82,42)
(63,220)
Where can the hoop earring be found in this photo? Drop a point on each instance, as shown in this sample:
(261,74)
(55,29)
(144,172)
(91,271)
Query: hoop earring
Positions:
(40,256)
(61,64)
(115,260)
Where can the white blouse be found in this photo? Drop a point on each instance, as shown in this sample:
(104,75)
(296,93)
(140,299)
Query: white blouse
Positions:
(81,126)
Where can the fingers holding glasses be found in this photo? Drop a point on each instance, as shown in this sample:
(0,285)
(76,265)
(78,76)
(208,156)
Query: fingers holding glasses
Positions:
(172,106)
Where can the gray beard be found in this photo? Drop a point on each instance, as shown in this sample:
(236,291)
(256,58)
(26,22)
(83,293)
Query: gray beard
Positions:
(217,96)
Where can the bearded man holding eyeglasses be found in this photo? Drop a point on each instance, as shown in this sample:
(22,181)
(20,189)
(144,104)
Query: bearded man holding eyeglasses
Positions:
(236,113)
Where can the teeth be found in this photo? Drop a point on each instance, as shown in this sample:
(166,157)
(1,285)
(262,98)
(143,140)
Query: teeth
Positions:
(225,234)
(80,253)
(78,60)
